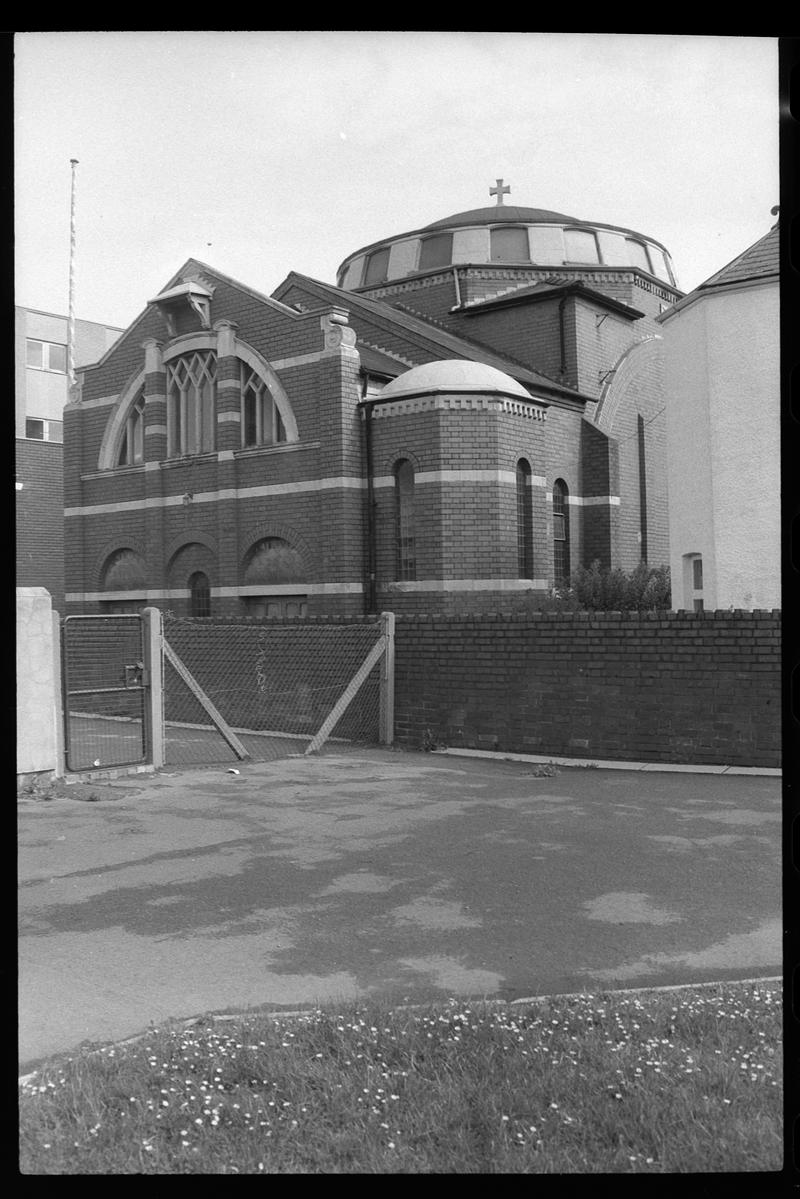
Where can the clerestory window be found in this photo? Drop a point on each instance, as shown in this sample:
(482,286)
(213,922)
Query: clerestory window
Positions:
(192,404)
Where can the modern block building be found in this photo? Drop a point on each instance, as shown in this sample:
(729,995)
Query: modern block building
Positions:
(40,393)
(472,411)
(722,352)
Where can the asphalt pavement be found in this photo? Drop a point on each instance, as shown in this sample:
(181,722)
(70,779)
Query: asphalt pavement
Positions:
(381,873)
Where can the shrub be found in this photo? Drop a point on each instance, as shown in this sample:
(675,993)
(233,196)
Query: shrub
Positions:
(600,589)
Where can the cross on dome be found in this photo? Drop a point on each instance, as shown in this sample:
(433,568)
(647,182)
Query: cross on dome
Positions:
(499,191)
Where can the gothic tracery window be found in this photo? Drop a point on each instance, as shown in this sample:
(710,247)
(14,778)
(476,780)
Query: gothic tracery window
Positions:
(192,403)
(261,420)
(131,448)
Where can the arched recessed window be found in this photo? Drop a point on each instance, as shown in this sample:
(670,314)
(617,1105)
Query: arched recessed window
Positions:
(377,267)
(192,403)
(561,567)
(131,449)
(510,245)
(261,420)
(406,567)
(524,520)
(436,251)
(580,245)
(199,594)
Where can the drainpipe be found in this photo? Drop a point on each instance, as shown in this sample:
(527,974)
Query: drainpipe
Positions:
(370,592)
(458,287)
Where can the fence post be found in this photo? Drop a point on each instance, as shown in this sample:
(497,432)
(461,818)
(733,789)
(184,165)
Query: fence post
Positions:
(387,680)
(58,697)
(154,667)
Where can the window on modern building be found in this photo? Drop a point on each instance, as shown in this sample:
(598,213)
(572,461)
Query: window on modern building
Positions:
(46,355)
(524,520)
(637,252)
(261,420)
(192,403)
(580,245)
(199,594)
(406,564)
(697,574)
(692,582)
(509,245)
(131,448)
(37,429)
(436,251)
(561,566)
(377,267)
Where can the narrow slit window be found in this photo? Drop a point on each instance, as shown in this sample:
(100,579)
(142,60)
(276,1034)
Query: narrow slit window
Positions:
(524,521)
(561,564)
(404,521)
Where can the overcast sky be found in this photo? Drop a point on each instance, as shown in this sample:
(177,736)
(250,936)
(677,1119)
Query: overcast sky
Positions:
(264,152)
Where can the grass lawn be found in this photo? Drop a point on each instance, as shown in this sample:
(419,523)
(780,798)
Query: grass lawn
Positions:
(658,1082)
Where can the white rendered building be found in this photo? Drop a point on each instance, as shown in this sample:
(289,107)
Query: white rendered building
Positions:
(722,385)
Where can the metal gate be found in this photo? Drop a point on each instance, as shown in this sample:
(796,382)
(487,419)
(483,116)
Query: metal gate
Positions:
(105,691)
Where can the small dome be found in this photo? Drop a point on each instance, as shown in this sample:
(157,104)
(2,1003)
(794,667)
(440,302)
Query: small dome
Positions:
(455,375)
(499,213)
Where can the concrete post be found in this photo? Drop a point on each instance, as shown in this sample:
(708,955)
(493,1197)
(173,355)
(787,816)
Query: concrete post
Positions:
(58,698)
(387,680)
(154,676)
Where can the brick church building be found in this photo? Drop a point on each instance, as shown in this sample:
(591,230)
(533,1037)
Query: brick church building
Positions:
(475,409)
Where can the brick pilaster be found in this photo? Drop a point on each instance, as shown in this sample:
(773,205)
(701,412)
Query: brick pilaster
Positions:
(229,428)
(155,402)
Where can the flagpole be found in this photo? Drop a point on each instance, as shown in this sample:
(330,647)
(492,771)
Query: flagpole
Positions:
(71,318)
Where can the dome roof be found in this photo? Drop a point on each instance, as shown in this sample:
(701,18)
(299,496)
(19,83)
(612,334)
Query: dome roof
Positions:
(498,213)
(456,375)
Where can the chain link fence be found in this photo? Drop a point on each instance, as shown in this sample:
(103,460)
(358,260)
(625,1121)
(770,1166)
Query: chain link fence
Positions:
(104,697)
(269,687)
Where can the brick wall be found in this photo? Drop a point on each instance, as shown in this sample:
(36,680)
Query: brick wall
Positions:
(667,687)
(40,517)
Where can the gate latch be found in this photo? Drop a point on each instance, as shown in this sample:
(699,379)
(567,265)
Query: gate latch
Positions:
(134,674)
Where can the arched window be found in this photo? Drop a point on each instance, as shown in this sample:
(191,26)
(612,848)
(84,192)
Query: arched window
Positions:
(261,420)
(637,252)
(561,568)
(200,594)
(404,520)
(580,246)
(524,520)
(436,251)
(131,448)
(510,245)
(377,267)
(192,403)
